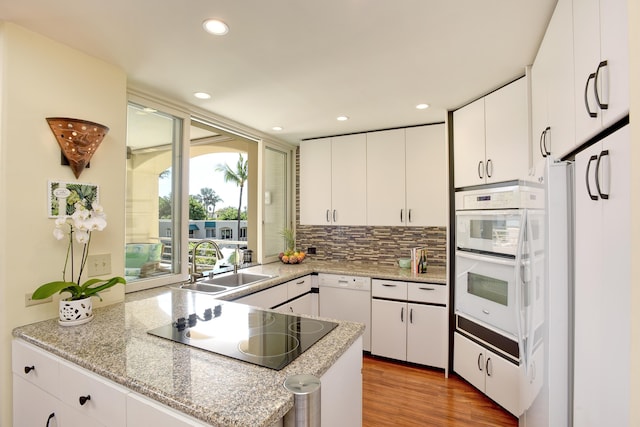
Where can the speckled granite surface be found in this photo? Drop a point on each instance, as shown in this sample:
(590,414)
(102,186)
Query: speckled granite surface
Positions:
(213,388)
(286,272)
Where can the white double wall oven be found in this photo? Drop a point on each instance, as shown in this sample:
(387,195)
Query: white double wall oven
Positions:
(499,258)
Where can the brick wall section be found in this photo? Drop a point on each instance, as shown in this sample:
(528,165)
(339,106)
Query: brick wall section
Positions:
(366,244)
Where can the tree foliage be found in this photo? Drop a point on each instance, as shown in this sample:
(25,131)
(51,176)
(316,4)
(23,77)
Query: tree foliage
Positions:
(230,213)
(164,211)
(196,209)
(238,176)
(207,197)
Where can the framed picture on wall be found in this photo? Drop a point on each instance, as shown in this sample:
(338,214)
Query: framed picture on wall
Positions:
(64,195)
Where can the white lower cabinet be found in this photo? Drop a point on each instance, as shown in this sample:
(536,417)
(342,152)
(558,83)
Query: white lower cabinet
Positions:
(289,297)
(142,411)
(92,396)
(51,392)
(300,305)
(408,330)
(490,373)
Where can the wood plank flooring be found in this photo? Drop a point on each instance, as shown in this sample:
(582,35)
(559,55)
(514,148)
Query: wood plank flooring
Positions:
(397,395)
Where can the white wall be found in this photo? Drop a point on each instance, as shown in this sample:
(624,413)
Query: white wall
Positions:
(634,73)
(41,78)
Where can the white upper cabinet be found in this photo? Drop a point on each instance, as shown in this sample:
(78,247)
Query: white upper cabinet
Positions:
(601,56)
(315,182)
(333,181)
(491,137)
(552,88)
(386,178)
(427,173)
(407,177)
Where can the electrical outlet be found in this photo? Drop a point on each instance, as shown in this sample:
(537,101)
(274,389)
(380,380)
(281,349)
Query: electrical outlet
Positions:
(98,265)
(28,301)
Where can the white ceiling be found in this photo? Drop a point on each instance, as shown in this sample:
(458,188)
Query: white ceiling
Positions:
(301,63)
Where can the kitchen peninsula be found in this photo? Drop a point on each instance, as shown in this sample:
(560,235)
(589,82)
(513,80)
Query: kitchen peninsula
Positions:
(207,388)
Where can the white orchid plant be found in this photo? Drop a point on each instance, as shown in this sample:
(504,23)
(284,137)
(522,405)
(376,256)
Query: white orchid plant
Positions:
(78,228)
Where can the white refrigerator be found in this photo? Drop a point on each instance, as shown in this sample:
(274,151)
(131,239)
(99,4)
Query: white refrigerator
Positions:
(551,405)
(588,288)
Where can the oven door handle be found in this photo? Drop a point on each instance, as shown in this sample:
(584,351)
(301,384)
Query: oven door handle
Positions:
(486,258)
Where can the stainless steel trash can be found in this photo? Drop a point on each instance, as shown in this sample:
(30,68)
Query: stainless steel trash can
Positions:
(306,401)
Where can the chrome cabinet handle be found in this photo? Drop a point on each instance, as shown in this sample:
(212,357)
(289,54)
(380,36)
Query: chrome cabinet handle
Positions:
(409,215)
(480,362)
(586,98)
(602,195)
(402,315)
(489,168)
(595,85)
(480,169)
(401,215)
(427,289)
(51,416)
(334,215)
(327,215)
(389,285)
(591,159)
(485,311)
(411,316)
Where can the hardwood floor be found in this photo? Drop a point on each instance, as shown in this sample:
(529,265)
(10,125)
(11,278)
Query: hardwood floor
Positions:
(398,395)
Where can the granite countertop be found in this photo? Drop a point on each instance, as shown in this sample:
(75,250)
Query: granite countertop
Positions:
(216,389)
(211,387)
(285,272)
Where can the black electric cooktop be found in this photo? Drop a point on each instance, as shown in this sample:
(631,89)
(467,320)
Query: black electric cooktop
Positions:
(264,338)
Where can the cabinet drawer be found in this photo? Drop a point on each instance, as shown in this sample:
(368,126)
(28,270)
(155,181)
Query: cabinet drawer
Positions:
(428,292)
(389,289)
(35,366)
(298,287)
(103,401)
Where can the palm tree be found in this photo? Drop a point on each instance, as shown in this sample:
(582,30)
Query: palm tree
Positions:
(208,196)
(238,176)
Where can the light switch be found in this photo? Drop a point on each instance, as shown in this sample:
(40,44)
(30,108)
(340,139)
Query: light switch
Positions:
(98,265)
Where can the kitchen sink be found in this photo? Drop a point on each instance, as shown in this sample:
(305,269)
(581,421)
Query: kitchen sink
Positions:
(236,279)
(225,282)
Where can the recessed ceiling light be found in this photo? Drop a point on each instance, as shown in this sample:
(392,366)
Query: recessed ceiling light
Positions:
(422,106)
(202,95)
(277,128)
(215,27)
(342,118)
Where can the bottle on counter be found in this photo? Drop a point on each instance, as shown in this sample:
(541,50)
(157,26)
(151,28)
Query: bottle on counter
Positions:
(423,262)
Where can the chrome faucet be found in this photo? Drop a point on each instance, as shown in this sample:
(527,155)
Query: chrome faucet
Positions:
(194,265)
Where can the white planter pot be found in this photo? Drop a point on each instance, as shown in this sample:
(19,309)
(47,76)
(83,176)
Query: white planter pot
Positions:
(75,312)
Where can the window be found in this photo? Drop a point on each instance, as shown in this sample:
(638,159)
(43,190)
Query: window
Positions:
(164,145)
(226,233)
(155,147)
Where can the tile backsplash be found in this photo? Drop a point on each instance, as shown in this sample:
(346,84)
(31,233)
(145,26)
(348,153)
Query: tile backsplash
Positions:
(368,244)
(380,245)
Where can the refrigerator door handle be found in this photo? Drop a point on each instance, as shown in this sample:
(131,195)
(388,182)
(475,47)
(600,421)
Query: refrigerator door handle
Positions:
(591,159)
(602,195)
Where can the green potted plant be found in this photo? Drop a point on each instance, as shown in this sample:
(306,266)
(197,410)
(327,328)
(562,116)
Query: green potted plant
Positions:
(77,308)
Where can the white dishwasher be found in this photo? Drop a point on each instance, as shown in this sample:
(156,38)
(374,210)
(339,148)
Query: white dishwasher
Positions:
(347,298)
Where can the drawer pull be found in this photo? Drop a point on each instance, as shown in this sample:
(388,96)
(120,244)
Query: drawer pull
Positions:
(51,415)
(83,399)
(388,285)
(427,289)
(300,282)
(28,369)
